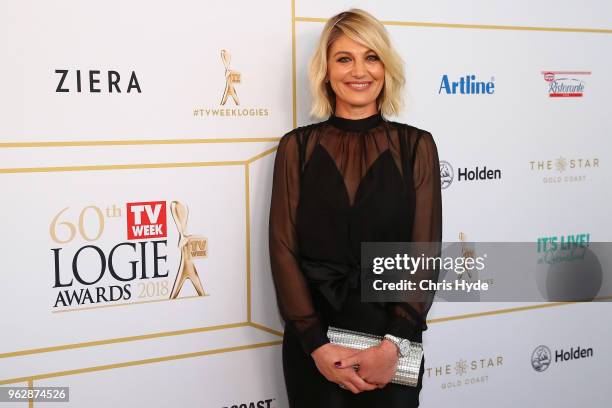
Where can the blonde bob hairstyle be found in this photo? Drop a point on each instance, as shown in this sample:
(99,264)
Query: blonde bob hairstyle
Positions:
(362,27)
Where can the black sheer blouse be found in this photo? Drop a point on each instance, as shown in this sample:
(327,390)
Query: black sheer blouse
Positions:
(353,161)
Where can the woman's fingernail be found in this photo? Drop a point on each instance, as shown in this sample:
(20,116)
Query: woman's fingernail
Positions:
(337,364)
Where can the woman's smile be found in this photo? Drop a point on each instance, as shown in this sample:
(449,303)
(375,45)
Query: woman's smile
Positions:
(358,85)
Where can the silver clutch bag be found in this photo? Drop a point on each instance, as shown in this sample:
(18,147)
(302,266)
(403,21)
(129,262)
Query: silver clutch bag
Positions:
(408,367)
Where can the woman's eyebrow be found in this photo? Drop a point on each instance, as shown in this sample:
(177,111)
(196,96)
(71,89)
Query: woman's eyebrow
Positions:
(350,53)
(342,52)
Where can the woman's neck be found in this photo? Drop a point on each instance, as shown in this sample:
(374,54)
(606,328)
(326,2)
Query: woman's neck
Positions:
(344,110)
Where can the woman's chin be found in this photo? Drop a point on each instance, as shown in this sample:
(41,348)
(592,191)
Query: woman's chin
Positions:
(358,102)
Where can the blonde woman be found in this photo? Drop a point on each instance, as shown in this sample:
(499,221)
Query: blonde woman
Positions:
(355,177)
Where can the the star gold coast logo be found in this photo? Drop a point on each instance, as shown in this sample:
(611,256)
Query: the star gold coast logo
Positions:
(232,78)
(564,169)
(92,269)
(464,372)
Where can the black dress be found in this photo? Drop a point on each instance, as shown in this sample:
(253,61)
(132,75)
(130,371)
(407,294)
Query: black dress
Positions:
(338,183)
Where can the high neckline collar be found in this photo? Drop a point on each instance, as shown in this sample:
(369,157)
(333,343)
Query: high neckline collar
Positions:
(356,125)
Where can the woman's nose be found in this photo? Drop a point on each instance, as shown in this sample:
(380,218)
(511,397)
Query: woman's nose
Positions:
(358,69)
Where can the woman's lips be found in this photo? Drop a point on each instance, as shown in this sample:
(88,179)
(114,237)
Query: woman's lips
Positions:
(358,86)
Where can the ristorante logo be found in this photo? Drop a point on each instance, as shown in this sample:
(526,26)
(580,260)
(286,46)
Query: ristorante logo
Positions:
(231,79)
(564,169)
(95,81)
(91,268)
(466,85)
(565,84)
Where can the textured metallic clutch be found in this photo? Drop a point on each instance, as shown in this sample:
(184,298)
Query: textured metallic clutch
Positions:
(408,367)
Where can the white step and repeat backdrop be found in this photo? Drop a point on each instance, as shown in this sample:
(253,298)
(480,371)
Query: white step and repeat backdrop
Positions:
(124,173)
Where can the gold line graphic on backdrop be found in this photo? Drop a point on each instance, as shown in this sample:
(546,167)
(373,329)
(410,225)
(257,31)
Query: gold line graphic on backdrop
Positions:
(262,154)
(136,142)
(78,309)
(248,239)
(118,167)
(103,342)
(293,67)
(30,386)
(511,310)
(474,26)
(266,329)
(139,362)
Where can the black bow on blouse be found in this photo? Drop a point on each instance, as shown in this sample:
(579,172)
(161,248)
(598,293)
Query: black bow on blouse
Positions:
(332,279)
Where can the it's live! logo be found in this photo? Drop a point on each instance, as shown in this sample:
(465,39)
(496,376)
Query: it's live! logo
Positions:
(146,220)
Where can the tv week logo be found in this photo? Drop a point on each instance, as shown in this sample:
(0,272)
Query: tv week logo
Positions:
(146,220)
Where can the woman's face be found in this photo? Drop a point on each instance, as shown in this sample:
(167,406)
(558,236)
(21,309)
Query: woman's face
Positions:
(356,75)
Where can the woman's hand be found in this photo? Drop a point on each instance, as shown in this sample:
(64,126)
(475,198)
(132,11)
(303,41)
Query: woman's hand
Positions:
(377,365)
(325,358)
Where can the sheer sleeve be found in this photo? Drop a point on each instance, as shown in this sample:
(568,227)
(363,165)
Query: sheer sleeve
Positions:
(410,316)
(292,292)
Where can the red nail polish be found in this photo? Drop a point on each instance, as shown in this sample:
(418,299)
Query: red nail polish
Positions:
(337,364)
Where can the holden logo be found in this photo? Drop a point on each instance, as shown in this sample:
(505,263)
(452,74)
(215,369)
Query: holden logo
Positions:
(447,174)
(540,358)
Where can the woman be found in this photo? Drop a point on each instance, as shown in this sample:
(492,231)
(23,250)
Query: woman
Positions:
(353,178)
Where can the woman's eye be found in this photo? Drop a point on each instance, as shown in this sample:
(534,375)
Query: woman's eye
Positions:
(373,58)
(344,59)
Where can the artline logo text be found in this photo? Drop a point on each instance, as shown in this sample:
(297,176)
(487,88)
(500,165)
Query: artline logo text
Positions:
(466,85)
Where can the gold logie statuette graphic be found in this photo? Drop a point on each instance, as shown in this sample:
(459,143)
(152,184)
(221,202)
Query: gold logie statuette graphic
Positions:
(224,109)
(191,247)
(466,252)
(231,78)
